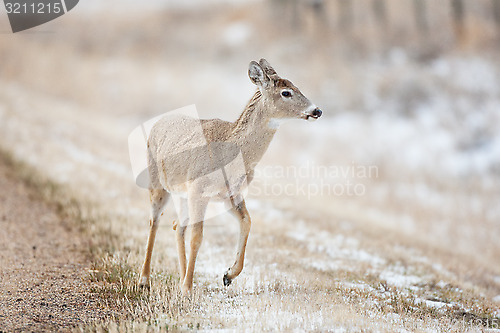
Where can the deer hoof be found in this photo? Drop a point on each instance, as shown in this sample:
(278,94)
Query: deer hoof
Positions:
(144,283)
(227,281)
(186,291)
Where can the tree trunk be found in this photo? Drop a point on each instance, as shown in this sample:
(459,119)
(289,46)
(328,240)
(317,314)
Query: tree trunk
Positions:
(496,11)
(346,15)
(380,12)
(420,9)
(458,15)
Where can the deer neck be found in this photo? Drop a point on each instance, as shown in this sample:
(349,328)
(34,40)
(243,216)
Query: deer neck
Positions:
(251,132)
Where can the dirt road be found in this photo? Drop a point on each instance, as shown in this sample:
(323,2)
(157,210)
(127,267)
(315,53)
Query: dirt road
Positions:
(43,264)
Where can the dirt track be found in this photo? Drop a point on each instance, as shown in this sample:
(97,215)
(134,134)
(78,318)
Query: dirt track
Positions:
(43,266)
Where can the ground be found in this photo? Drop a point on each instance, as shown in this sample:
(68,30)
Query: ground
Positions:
(44,264)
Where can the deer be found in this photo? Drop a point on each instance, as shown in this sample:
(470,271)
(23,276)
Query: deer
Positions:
(191,160)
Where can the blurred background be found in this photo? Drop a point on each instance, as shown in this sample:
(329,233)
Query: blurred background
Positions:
(411,87)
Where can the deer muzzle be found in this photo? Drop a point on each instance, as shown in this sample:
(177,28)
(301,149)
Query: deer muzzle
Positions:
(313,114)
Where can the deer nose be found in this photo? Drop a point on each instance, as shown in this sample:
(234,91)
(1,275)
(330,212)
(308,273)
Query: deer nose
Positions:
(317,113)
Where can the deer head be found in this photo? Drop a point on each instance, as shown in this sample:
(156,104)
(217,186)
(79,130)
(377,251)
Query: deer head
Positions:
(287,101)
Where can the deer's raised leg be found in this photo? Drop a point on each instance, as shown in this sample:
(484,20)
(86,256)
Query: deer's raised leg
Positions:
(240,211)
(159,199)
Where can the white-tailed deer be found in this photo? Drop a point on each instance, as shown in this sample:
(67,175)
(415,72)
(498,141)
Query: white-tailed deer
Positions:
(192,160)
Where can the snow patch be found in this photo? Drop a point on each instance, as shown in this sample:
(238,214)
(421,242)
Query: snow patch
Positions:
(342,251)
(435,304)
(399,280)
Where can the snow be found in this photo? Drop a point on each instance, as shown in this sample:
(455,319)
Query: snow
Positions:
(473,75)
(435,304)
(342,252)
(451,129)
(400,280)
(265,210)
(414,144)
(442,284)
(79,155)
(360,286)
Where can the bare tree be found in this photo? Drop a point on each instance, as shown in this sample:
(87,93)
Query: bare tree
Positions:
(318,7)
(346,14)
(420,9)
(320,12)
(286,11)
(380,12)
(458,15)
(496,11)
(296,17)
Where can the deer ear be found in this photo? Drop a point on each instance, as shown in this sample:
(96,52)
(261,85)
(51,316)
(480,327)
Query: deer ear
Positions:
(257,75)
(268,69)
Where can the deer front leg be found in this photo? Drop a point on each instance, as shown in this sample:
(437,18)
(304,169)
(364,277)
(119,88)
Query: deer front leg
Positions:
(196,239)
(197,207)
(240,211)
(159,199)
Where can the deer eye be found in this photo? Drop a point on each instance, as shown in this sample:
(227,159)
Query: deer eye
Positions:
(286,93)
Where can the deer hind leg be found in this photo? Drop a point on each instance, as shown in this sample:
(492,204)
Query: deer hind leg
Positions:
(159,198)
(240,211)
(197,207)
(181,250)
(180,228)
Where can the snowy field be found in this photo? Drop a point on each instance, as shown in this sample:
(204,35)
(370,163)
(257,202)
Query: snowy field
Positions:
(381,216)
